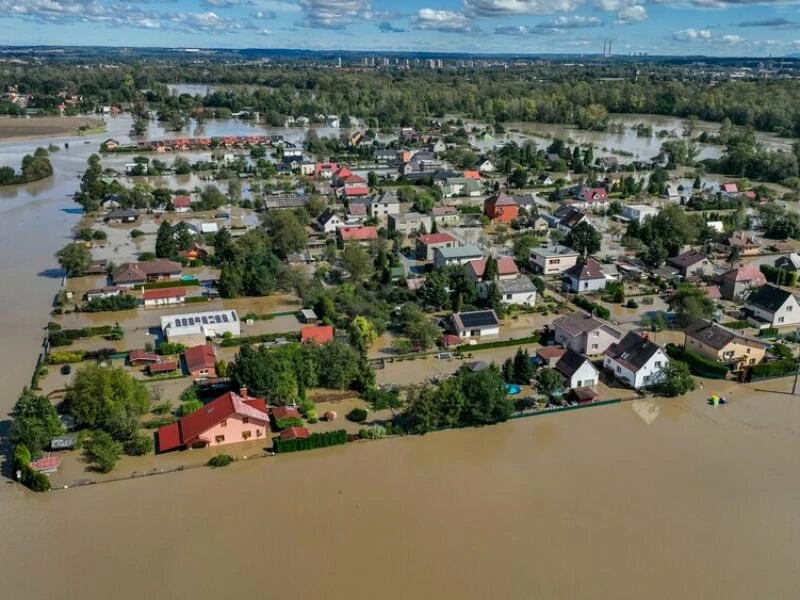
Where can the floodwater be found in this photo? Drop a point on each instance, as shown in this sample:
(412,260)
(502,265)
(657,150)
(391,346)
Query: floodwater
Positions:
(655,498)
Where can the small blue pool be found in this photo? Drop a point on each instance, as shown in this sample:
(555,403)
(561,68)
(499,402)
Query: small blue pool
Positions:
(188,277)
(512,389)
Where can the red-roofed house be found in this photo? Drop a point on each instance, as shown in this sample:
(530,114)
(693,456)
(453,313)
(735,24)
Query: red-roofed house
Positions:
(736,283)
(229,419)
(163,296)
(594,196)
(162,367)
(279,413)
(325,170)
(506,268)
(362,235)
(339,175)
(354,186)
(729,188)
(501,208)
(201,361)
(428,242)
(317,334)
(140,356)
(472,174)
(550,355)
(294,433)
(182,204)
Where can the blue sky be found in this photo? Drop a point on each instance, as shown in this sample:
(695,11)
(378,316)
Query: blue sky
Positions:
(710,27)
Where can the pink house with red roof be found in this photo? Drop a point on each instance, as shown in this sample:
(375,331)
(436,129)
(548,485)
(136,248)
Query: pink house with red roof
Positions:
(229,419)
(506,268)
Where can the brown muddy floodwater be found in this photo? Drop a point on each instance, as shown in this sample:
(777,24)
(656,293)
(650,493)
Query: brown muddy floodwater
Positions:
(656,499)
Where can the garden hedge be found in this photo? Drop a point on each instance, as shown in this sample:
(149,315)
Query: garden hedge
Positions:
(315,440)
(698,364)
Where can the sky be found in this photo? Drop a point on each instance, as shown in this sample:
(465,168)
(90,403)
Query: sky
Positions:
(663,27)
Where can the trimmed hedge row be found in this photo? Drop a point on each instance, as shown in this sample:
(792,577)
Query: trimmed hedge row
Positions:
(736,325)
(161,285)
(773,273)
(776,368)
(315,440)
(598,309)
(292,336)
(769,332)
(532,339)
(698,364)
(64,337)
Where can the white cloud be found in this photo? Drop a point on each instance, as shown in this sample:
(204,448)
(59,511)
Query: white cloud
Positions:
(692,35)
(497,8)
(446,21)
(632,14)
(225,3)
(334,14)
(264,32)
(732,39)
(557,25)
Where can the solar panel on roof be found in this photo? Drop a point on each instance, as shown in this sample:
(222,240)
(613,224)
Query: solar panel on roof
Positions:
(225,318)
(218,319)
(233,316)
(191,321)
(184,322)
(205,320)
(478,319)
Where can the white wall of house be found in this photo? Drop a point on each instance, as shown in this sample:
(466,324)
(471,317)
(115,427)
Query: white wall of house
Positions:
(333,224)
(521,298)
(553,265)
(586,285)
(164,301)
(593,342)
(586,376)
(479,332)
(649,374)
(788,314)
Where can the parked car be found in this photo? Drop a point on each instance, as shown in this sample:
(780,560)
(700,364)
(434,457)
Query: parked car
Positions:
(66,370)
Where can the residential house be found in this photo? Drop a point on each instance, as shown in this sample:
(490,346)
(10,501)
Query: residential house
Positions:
(181,204)
(325,170)
(501,208)
(544,180)
(744,243)
(578,369)
(409,223)
(586,276)
(487,166)
(137,273)
(105,292)
(471,174)
(636,360)
(584,334)
(518,291)
(384,205)
(550,355)
(607,163)
(566,217)
(729,189)
(437,146)
(193,329)
(446,216)
(677,194)
(162,367)
(201,361)
(139,357)
(553,260)
(692,264)
(506,269)
(639,212)
(384,155)
(427,243)
(362,235)
(317,334)
(475,324)
(788,263)
(724,345)
(164,296)
(455,255)
(737,283)
(122,216)
(770,306)
(354,186)
(229,419)
(329,221)
(461,186)
(283,201)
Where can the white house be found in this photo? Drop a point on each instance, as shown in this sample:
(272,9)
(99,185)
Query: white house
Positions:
(553,260)
(329,221)
(476,323)
(770,306)
(578,369)
(193,329)
(584,334)
(586,276)
(487,166)
(639,212)
(520,291)
(455,255)
(636,360)
(164,296)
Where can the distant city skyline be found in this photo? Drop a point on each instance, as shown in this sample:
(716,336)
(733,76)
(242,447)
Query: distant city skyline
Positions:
(660,27)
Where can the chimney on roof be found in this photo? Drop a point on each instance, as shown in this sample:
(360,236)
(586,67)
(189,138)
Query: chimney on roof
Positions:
(243,392)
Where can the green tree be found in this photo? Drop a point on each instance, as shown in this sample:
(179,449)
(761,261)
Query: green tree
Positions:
(690,303)
(286,232)
(74,258)
(362,333)
(383,399)
(518,178)
(549,381)
(103,451)
(165,241)
(584,238)
(189,407)
(676,379)
(357,262)
(490,270)
(117,332)
(34,422)
(523,368)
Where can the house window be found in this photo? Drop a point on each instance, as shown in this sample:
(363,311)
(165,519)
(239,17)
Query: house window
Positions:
(619,370)
(245,435)
(597,333)
(780,319)
(728,355)
(258,433)
(219,439)
(789,309)
(224,423)
(586,285)
(245,420)
(658,364)
(594,346)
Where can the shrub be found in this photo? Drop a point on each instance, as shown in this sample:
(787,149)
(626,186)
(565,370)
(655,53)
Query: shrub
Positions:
(163,408)
(533,339)
(769,332)
(781,350)
(103,451)
(136,233)
(698,364)
(373,432)
(112,303)
(592,307)
(315,440)
(189,407)
(220,460)
(772,274)
(230,341)
(289,422)
(357,415)
(159,422)
(776,368)
(139,445)
(165,348)
(736,325)
(195,299)
(632,303)
(63,358)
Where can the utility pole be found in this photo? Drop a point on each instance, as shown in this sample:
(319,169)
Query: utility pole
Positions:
(796,377)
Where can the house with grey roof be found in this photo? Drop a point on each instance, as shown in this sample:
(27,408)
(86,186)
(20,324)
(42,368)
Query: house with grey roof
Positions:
(456,255)
(410,222)
(519,290)
(553,260)
(771,306)
(636,360)
(578,370)
(692,263)
(585,277)
(584,334)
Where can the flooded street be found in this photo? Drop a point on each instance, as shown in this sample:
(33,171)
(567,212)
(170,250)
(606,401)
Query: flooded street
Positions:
(655,498)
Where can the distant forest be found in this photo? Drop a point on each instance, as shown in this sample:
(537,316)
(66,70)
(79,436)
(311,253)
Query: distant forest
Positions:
(548,93)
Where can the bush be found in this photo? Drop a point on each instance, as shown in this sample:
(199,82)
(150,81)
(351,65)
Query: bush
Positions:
(220,460)
(141,444)
(769,332)
(228,342)
(589,306)
(632,303)
(315,440)
(112,303)
(189,407)
(786,277)
(373,432)
(736,325)
(165,348)
(698,364)
(163,408)
(533,339)
(63,358)
(160,285)
(159,422)
(137,233)
(195,299)
(357,415)
(103,451)
(776,368)
(289,422)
